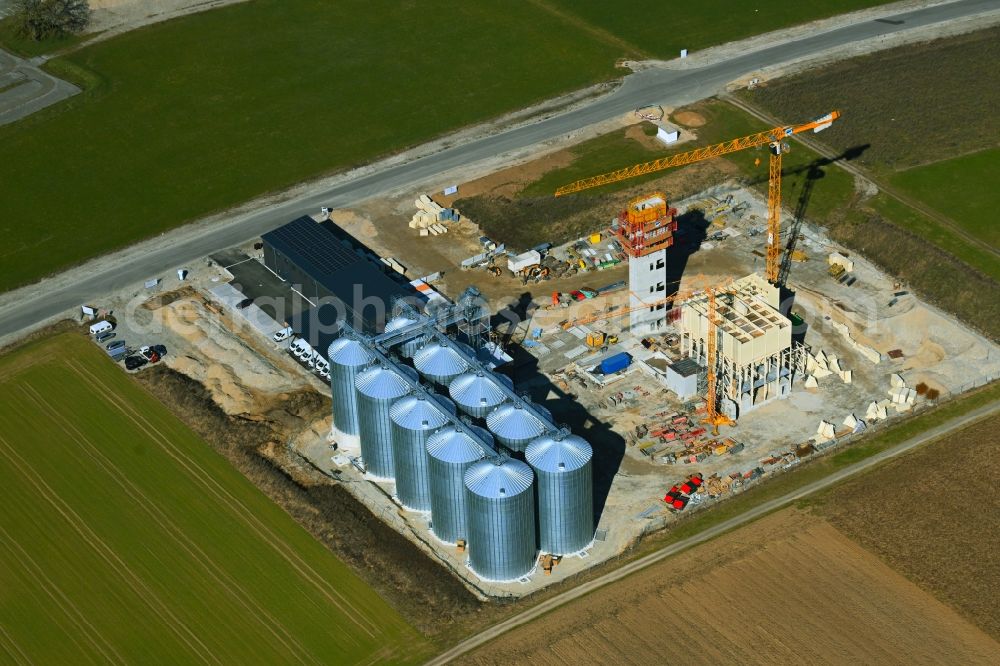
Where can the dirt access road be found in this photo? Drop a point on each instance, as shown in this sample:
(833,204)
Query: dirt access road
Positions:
(32,306)
(714,531)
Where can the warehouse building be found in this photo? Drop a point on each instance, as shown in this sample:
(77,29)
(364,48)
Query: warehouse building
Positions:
(337,278)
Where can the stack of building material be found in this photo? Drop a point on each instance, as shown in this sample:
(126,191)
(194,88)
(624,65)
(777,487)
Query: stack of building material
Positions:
(854,423)
(876,410)
(428,216)
(901,396)
(824,432)
(836,258)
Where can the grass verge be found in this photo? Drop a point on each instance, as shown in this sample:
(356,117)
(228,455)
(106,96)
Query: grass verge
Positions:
(130,539)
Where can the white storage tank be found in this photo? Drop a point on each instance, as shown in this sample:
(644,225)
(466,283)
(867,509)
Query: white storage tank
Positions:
(563,469)
(411,346)
(501,511)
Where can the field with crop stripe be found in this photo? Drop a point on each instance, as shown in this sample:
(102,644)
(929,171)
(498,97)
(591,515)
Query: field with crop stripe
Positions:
(127,539)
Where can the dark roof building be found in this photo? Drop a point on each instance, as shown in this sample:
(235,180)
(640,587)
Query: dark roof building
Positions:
(338,278)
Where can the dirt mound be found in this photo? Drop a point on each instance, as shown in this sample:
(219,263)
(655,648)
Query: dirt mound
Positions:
(239,379)
(357,225)
(688,118)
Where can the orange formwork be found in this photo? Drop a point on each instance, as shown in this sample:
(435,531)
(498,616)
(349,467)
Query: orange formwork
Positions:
(646,225)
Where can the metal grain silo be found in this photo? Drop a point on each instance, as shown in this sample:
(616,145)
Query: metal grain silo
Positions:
(476,393)
(563,468)
(501,509)
(450,452)
(514,426)
(439,362)
(410,347)
(414,418)
(378,387)
(347,358)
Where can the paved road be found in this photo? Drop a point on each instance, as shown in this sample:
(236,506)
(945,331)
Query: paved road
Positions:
(26,88)
(660,85)
(712,532)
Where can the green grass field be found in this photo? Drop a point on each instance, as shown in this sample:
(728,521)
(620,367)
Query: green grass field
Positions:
(201,113)
(965,188)
(127,539)
(662,29)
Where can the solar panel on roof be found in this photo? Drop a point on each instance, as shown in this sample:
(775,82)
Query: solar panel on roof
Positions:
(311,247)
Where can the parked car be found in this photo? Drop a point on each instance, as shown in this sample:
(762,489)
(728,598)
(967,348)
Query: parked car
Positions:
(117,344)
(106,335)
(246,302)
(134,362)
(159,349)
(283,334)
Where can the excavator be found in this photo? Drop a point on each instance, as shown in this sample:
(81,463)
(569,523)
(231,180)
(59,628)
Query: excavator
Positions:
(773,138)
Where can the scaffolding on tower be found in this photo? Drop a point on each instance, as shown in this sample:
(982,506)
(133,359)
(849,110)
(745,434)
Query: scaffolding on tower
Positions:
(646,225)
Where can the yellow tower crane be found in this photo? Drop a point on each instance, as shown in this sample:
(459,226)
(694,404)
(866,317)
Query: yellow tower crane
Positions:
(773,138)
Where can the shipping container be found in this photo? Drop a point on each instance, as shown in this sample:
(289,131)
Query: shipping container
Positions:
(615,363)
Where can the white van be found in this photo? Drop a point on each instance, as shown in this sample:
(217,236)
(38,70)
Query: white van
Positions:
(100,327)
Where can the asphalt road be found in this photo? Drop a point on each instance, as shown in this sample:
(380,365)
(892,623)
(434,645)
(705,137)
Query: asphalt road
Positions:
(34,91)
(712,532)
(660,85)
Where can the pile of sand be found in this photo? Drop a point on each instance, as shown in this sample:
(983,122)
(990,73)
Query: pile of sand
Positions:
(241,381)
(688,119)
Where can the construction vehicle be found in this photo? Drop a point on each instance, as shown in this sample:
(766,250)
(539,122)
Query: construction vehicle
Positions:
(773,138)
(601,339)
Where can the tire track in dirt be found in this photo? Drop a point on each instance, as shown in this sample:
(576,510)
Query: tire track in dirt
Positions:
(351,612)
(62,602)
(224,581)
(137,585)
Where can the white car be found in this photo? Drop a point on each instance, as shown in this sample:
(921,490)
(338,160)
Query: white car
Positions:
(283,334)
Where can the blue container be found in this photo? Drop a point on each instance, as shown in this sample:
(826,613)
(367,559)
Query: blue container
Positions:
(616,363)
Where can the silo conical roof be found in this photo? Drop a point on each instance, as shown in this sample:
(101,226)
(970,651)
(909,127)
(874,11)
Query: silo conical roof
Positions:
(558,453)
(415,412)
(476,392)
(453,446)
(382,382)
(349,352)
(498,478)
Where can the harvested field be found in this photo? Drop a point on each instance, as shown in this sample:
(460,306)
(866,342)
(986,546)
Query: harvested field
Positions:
(948,542)
(789,589)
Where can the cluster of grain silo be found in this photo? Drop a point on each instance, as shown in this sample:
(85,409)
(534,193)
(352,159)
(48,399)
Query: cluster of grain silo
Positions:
(472,481)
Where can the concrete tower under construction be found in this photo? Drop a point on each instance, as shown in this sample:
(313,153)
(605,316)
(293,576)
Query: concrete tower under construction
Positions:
(645,230)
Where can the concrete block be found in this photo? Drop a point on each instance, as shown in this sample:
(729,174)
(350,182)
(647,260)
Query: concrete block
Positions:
(424,232)
(811,382)
(897,380)
(825,430)
(870,354)
(847,376)
(820,373)
(850,421)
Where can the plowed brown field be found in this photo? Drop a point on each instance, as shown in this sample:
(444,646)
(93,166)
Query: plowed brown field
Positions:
(787,589)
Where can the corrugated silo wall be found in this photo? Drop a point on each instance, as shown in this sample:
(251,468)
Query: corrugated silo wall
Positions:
(375,428)
(565,509)
(502,535)
(448,501)
(345,397)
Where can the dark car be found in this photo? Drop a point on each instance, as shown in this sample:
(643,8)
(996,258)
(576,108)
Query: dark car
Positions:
(117,344)
(246,302)
(159,349)
(134,362)
(106,335)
